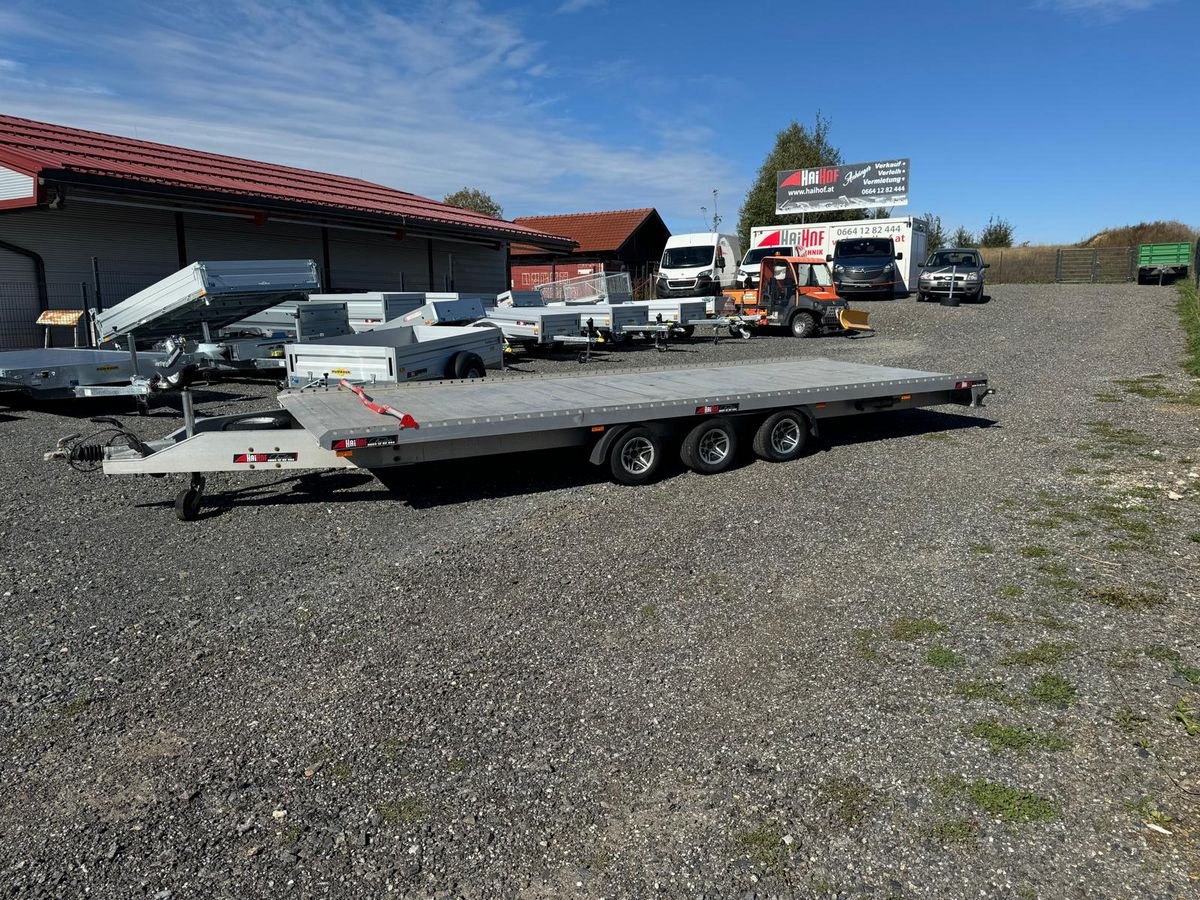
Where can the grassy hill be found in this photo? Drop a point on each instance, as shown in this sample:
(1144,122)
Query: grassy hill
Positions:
(1142,233)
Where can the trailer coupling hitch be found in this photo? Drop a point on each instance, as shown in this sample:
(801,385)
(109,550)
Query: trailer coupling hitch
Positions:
(86,452)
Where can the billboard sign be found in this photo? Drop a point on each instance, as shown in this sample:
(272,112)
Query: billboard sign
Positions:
(855,186)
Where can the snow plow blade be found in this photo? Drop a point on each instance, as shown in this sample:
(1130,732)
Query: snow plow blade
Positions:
(854,320)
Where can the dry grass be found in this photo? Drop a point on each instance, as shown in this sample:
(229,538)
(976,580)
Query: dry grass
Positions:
(1160,232)
(1036,264)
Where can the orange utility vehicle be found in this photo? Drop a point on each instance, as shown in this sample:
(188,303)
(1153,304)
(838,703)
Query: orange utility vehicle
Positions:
(795,292)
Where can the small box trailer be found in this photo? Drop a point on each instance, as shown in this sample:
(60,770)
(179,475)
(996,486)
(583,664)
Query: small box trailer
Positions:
(397,355)
(537,326)
(628,422)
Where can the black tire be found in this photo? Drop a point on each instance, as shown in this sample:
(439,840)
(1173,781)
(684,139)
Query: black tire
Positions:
(803,325)
(465,364)
(687,331)
(710,447)
(635,456)
(782,436)
(187,505)
(922,297)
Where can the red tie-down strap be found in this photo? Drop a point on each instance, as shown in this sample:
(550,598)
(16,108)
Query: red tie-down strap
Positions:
(406,421)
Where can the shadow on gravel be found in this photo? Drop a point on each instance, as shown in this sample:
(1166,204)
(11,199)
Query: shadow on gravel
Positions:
(889,425)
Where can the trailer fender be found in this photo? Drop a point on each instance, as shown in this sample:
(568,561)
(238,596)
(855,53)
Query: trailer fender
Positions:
(600,450)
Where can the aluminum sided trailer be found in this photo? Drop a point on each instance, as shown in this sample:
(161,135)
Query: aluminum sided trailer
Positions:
(54,373)
(628,421)
(397,355)
(532,325)
(612,319)
(370,309)
(200,299)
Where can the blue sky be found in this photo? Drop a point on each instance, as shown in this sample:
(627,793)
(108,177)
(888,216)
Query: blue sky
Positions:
(1034,110)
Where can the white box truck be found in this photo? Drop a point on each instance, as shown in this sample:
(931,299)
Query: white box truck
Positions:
(908,234)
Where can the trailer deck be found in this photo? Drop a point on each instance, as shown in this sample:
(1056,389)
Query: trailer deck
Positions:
(445,411)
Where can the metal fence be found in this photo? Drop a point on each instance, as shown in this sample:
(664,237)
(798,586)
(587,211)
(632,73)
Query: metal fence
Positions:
(1111,264)
(601,287)
(21,302)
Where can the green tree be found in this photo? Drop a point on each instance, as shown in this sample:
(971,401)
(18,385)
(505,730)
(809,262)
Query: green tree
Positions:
(935,233)
(962,237)
(796,147)
(997,233)
(878,212)
(473,198)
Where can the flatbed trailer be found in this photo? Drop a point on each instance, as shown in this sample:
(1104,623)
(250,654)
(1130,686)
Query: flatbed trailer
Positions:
(627,421)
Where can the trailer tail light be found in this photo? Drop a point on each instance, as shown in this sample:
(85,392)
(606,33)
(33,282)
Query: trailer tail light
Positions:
(906,396)
(963,385)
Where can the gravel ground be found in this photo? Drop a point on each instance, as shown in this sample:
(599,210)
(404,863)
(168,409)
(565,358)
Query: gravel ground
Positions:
(949,653)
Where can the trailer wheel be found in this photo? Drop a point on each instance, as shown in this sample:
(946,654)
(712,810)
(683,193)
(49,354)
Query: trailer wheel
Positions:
(635,456)
(782,436)
(687,331)
(739,331)
(803,325)
(465,364)
(710,447)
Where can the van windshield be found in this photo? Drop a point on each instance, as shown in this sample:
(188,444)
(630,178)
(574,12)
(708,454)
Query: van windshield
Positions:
(688,257)
(875,247)
(755,256)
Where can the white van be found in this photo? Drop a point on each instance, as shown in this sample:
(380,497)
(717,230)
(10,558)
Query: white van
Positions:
(747,273)
(698,265)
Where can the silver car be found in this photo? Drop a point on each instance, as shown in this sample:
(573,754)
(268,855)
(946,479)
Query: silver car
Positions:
(956,273)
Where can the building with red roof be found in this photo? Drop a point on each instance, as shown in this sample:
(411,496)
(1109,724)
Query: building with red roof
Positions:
(142,210)
(629,240)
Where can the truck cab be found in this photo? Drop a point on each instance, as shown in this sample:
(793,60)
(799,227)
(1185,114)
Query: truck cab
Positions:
(697,265)
(795,292)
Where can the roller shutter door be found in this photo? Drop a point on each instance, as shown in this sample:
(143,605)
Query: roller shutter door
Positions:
(376,262)
(475,269)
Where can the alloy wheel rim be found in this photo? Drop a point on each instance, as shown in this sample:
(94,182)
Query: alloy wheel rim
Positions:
(785,436)
(637,456)
(714,447)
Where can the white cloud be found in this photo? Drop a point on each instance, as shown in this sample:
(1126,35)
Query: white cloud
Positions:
(428,99)
(574,6)
(1107,9)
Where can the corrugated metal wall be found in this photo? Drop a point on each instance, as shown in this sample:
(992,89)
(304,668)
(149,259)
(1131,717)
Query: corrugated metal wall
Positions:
(136,246)
(15,185)
(375,262)
(217,237)
(477,270)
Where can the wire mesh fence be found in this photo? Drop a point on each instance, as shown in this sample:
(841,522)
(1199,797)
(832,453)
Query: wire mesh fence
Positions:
(600,287)
(22,301)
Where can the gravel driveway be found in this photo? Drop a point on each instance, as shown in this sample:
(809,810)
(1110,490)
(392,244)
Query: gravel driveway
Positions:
(949,653)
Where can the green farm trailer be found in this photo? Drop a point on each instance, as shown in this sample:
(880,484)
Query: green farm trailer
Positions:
(1163,263)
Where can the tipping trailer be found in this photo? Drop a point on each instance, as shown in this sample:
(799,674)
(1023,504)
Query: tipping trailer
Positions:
(627,422)
(188,309)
